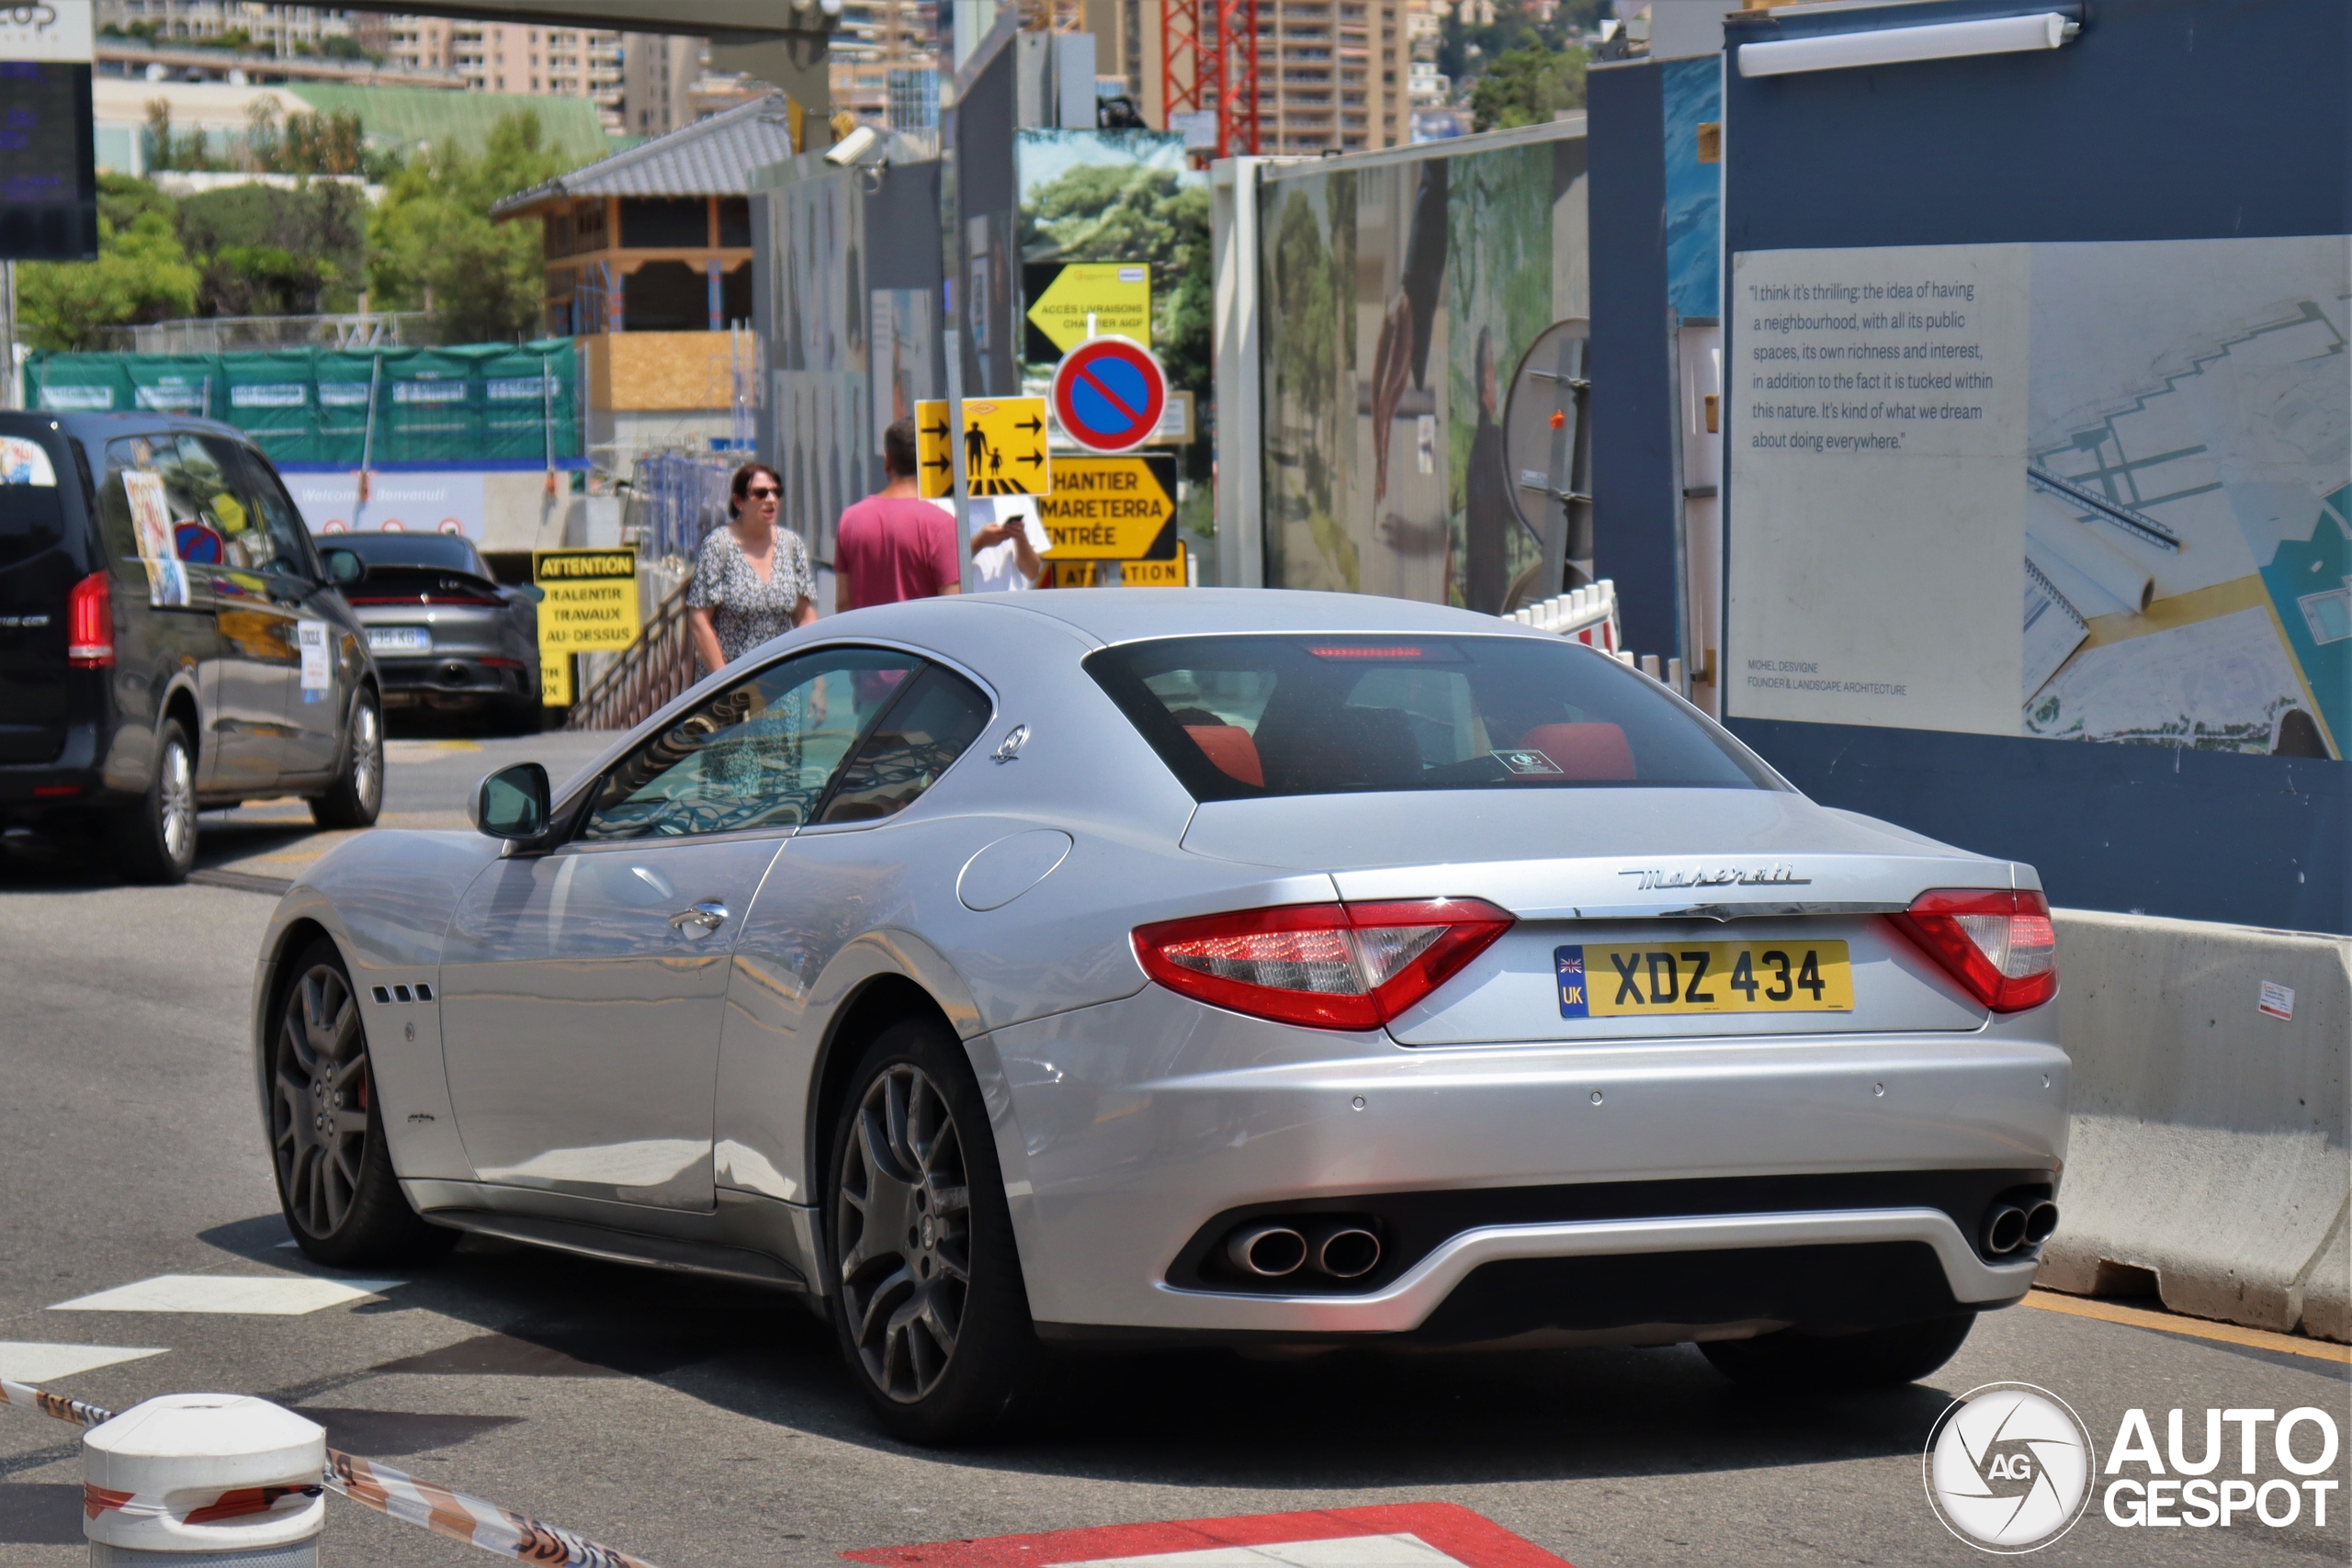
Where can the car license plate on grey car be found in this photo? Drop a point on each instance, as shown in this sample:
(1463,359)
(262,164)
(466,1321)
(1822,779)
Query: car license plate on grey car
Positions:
(400,639)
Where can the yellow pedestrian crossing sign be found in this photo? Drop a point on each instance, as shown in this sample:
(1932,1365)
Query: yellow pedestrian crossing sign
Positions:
(1005,447)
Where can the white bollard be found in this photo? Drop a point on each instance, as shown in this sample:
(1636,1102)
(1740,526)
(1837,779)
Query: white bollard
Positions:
(219,1479)
(1649,665)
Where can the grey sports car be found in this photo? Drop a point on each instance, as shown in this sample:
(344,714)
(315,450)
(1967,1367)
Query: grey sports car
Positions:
(447,634)
(1136,965)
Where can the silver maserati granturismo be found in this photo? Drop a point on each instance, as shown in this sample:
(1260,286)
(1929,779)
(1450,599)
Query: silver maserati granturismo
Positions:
(1138,966)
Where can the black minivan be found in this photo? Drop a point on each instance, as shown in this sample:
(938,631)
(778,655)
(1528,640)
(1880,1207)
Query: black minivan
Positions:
(171,638)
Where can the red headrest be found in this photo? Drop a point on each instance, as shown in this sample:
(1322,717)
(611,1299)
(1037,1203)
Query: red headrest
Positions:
(1230,748)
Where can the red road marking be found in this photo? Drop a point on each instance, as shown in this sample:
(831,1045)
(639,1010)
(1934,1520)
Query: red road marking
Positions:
(1467,1538)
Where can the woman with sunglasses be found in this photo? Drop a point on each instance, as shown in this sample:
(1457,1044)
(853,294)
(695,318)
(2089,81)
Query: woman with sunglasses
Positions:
(751,581)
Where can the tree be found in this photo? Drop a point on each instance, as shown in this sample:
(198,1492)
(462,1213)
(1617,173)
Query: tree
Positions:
(268,251)
(141,272)
(166,148)
(432,239)
(1526,87)
(1468,47)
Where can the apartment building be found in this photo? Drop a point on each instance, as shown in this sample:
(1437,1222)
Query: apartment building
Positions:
(873,38)
(498,57)
(658,75)
(275,29)
(1332,75)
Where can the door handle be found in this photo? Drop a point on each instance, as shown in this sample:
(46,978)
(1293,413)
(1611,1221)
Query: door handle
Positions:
(708,915)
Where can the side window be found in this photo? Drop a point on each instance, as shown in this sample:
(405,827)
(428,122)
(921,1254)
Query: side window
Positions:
(940,715)
(280,520)
(167,501)
(760,754)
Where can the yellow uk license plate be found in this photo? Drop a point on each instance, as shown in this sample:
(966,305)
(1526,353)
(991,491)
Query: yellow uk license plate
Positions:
(1671,978)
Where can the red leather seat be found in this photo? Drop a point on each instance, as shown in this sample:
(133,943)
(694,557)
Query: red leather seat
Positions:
(1230,748)
(1583,751)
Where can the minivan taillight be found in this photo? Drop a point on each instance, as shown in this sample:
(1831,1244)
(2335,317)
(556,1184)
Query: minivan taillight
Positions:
(90,621)
(1326,965)
(1998,943)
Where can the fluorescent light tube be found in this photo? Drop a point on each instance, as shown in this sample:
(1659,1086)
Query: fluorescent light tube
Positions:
(1896,46)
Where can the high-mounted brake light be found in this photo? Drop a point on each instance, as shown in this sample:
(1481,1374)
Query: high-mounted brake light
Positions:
(1326,965)
(89,623)
(1996,942)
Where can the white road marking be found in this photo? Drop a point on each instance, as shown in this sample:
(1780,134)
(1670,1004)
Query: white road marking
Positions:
(24,1361)
(1350,1552)
(274,1295)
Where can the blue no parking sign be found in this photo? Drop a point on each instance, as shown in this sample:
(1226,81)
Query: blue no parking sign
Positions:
(1109,393)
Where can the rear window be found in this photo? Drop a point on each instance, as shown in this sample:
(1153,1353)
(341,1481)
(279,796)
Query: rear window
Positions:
(32,511)
(434,552)
(1242,717)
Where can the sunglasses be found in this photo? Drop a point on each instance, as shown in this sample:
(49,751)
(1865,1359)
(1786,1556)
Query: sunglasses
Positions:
(763,493)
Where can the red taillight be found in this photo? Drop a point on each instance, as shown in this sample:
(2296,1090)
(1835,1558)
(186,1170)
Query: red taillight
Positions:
(1997,943)
(1328,965)
(89,620)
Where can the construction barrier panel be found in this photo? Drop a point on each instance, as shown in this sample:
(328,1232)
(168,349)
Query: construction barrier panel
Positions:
(2209,1138)
(349,408)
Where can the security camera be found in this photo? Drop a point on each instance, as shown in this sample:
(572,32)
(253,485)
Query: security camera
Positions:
(860,147)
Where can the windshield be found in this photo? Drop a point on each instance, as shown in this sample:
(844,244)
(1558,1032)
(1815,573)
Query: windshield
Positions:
(434,552)
(1244,718)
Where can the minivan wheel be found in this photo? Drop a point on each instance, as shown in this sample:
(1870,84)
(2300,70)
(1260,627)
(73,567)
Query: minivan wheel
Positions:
(1875,1358)
(358,792)
(929,1306)
(155,840)
(335,1182)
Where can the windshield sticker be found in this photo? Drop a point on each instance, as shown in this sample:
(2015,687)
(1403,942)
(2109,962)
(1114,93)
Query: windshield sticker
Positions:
(1527,762)
(150,517)
(315,673)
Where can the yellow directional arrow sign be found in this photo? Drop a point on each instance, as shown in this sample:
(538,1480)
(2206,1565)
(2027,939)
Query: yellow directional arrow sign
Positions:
(1116,294)
(1005,447)
(1112,508)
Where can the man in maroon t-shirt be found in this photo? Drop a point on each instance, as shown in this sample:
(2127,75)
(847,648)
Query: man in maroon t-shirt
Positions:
(895,545)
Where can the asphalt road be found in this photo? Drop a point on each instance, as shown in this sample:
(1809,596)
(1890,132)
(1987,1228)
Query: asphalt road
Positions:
(700,1424)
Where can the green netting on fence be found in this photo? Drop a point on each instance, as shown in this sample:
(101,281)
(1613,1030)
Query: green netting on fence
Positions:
(476,403)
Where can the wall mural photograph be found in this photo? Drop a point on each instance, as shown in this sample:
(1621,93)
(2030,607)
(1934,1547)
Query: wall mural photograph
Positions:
(1398,301)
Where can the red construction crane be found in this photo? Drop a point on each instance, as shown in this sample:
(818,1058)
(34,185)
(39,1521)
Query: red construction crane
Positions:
(1189,80)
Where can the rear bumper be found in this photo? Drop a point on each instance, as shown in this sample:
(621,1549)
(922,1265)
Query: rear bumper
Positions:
(71,779)
(1131,1128)
(454,679)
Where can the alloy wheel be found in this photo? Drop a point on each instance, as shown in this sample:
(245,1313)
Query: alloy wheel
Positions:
(175,802)
(903,1224)
(367,757)
(319,1101)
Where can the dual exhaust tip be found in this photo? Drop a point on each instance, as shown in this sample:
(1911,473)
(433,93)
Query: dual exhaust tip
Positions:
(2015,1222)
(1269,1251)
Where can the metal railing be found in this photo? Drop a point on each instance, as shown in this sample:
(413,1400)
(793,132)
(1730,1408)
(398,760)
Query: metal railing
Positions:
(223,335)
(659,666)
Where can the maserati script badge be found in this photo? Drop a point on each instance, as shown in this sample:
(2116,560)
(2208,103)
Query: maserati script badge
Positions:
(1726,876)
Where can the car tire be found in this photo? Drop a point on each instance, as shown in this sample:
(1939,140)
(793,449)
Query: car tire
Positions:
(929,1307)
(358,792)
(1875,1358)
(336,1183)
(155,840)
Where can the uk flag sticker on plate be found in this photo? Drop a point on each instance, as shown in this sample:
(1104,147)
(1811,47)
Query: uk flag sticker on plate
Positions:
(1568,961)
(1406,1535)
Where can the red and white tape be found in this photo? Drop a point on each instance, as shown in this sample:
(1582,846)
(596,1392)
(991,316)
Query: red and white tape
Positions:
(453,1514)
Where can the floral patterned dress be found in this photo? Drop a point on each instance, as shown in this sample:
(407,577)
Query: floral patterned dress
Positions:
(744,611)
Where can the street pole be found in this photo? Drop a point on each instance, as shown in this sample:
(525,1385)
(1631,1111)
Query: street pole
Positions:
(950,266)
(12,395)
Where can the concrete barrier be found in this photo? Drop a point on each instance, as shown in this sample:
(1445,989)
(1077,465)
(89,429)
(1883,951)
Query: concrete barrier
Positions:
(2208,1146)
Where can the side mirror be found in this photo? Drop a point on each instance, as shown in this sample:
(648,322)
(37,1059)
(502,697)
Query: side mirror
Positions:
(345,569)
(512,802)
(529,592)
